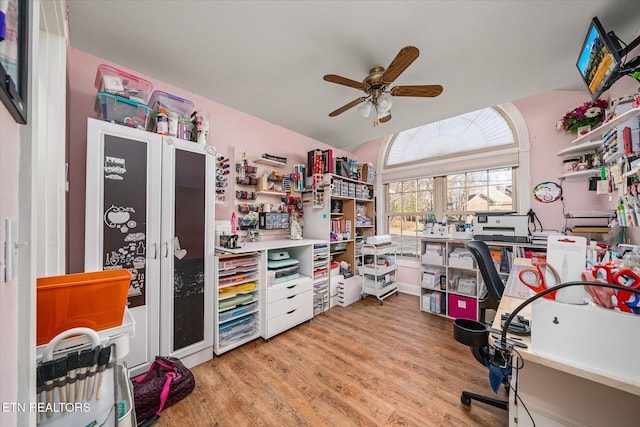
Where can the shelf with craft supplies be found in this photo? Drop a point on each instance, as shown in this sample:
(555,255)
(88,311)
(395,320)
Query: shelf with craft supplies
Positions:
(275,190)
(585,147)
(270,162)
(597,132)
(580,174)
(590,216)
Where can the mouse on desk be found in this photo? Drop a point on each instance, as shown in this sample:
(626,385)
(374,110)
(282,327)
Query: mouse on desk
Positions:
(518,326)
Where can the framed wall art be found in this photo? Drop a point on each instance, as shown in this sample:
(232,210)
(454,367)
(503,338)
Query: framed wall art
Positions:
(14,43)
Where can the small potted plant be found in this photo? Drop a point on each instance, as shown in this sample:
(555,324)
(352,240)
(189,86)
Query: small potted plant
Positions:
(582,119)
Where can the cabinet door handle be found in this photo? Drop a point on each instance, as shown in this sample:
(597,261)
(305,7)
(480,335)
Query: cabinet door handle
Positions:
(166,249)
(155,251)
(289,312)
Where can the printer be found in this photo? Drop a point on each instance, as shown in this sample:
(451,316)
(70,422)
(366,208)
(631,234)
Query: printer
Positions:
(501,227)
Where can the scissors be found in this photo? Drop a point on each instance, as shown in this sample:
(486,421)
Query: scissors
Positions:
(538,280)
(623,277)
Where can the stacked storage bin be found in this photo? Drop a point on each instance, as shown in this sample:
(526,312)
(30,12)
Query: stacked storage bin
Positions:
(178,109)
(122,97)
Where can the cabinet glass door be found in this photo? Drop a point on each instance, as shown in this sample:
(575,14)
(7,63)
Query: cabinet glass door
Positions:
(187,233)
(189,252)
(122,228)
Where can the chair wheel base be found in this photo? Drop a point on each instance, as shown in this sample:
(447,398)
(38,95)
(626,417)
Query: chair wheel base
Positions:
(466,398)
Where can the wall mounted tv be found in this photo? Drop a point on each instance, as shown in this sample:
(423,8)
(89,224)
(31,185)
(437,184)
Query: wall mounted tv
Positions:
(602,60)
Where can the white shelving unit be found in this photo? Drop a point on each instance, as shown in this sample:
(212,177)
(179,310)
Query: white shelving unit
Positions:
(379,270)
(451,284)
(236,300)
(320,278)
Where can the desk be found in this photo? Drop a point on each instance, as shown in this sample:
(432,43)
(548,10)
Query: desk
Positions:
(558,394)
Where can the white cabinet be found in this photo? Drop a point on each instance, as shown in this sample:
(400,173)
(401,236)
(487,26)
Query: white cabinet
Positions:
(150,209)
(379,270)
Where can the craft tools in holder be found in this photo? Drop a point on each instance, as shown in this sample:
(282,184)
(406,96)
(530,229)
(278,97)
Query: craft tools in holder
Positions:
(80,381)
(222,178)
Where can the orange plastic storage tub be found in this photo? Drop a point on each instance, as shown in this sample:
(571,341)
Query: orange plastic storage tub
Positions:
(93,300)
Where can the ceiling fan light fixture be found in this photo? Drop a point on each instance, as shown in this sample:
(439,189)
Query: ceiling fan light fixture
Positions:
(365,109)
(382,114)
(384,103)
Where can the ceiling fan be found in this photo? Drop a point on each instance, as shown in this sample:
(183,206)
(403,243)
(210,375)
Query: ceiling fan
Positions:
(376,86)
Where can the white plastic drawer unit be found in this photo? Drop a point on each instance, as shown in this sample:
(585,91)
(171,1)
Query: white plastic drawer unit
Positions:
(287,289)
(289,304)
(290,319)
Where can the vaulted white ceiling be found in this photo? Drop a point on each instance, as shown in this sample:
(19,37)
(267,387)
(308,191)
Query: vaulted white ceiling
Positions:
(267,58)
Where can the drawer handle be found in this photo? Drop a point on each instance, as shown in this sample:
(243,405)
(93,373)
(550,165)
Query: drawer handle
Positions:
(291,287)
(292,296)
(289,312)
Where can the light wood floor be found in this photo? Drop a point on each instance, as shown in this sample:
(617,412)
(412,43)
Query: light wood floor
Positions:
(366,364)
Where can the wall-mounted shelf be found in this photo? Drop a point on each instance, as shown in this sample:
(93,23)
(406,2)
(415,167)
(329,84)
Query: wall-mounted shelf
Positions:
(269,162)
(271,193)
(580,174)
(582,148)
(597,132)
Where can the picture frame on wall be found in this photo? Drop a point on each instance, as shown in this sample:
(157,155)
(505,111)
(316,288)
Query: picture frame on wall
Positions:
(14,15)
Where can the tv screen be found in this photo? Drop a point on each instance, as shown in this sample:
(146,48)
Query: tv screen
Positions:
(598,62)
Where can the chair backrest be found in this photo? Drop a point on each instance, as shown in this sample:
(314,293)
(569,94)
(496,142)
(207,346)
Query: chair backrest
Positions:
(490,276)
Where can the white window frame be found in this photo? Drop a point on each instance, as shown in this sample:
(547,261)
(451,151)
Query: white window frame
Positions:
(516,156)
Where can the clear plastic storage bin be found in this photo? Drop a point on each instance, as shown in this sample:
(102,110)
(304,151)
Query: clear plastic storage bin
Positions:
(116,109)
(172,103)
(112,80)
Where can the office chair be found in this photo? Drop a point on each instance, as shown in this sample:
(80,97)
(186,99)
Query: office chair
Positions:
(475,334)
(490,276)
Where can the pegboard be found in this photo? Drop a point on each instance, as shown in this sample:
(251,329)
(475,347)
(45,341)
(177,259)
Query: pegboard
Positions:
(267,187)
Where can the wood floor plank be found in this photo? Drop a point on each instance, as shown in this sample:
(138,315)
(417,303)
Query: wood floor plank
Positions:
(363,365)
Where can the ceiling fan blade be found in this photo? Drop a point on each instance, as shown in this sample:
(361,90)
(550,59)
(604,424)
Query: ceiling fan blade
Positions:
(403,59)
(419,90)
(347,106)
(333,78)
(385,119)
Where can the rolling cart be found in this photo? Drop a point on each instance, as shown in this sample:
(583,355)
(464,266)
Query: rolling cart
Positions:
(379,270)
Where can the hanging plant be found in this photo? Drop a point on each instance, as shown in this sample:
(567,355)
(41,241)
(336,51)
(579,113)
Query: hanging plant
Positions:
(591,113)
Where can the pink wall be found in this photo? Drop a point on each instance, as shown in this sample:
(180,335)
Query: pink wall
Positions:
(542,112)
(229,128)
(9,172)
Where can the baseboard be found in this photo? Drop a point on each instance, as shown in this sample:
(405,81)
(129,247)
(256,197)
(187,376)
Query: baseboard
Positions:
(409,288)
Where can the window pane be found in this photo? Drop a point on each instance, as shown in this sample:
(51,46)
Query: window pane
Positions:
(409,202)
(395,203)
(395,225)
(425,184)
(487,190)
(425,201)
(476,130)
(395,187)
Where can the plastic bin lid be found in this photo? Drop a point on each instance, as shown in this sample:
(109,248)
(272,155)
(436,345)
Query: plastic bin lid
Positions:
(104,69)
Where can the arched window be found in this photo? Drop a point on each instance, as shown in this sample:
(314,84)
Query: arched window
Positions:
(452,169)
